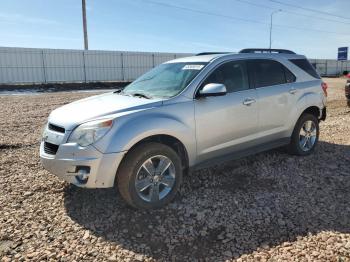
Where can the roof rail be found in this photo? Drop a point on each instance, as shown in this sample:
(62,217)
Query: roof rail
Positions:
(212,53)
(265,50)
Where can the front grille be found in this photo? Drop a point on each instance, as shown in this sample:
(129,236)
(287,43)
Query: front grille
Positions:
(50,149)
(56,128)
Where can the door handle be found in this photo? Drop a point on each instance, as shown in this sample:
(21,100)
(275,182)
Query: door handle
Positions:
(248,101)
(293,91)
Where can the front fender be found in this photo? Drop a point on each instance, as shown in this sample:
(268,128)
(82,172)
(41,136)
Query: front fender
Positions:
(131,129)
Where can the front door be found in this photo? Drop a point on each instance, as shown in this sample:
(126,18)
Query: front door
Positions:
(225,123)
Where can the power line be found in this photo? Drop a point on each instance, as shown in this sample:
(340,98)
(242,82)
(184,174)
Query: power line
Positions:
(255,4)
(236,18)
(204,12)
(291,12)
(309,9)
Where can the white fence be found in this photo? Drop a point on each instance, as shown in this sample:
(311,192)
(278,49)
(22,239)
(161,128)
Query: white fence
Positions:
(329,67)
(31,65)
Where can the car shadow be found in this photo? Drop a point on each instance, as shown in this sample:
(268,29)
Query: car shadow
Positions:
(229,210)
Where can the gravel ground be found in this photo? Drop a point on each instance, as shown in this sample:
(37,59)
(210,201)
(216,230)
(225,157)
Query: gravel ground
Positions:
(271,206)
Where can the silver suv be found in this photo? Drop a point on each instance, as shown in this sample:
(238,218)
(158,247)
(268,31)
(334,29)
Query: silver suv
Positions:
(185,114)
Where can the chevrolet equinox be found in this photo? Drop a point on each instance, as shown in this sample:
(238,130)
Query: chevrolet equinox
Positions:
(183,115)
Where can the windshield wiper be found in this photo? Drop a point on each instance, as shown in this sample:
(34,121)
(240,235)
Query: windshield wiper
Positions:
(141,95)
(121,92)
(118,91)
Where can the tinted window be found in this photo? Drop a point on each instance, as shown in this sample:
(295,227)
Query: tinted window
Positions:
(268,73)
(290,77)
(306,66)
(232,74)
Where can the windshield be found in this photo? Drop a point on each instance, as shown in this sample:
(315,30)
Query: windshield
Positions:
(166,80)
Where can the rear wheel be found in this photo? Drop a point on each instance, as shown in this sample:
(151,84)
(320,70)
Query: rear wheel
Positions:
(150,176)
(305,135)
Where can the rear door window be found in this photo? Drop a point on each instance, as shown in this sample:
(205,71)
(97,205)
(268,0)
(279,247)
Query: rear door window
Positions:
(290,77)
(268,73)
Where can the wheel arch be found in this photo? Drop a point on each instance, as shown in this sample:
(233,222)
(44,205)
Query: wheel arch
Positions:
(303,107)
(169,140)
(313,110)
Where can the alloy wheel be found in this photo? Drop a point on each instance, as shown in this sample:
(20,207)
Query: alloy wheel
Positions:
(307,135)
(155,178)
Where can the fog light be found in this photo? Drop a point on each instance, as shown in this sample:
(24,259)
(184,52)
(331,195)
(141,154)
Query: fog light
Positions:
(82,174)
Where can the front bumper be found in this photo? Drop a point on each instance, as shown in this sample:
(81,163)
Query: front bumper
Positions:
(70,158)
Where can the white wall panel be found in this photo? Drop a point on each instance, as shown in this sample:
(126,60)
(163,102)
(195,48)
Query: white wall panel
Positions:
(64,65)
(136,64)
(103,66)
(21,65)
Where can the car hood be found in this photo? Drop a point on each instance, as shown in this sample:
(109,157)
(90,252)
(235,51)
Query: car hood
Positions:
(73,114)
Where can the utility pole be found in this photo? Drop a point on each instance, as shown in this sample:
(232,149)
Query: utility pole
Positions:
(86,45)
(274,12)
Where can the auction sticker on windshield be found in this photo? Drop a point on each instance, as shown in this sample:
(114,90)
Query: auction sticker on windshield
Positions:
(192,67)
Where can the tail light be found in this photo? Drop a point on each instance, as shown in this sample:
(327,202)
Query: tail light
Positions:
(324,88)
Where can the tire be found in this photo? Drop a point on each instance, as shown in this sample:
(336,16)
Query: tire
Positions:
(140,174)
(311,136)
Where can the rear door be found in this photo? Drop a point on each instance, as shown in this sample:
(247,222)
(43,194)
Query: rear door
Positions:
(276,97)
(225,123)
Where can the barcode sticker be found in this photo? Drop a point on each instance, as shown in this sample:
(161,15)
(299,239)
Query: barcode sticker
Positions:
(192,67)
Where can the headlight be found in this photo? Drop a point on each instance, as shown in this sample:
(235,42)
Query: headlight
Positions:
(90,132)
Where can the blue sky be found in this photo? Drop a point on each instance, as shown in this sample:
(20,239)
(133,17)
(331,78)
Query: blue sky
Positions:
(143,25)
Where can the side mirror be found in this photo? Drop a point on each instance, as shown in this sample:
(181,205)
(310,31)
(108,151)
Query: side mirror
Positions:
(213,90)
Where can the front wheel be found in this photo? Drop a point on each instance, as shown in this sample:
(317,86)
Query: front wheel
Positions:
(305,135)
(149,176)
